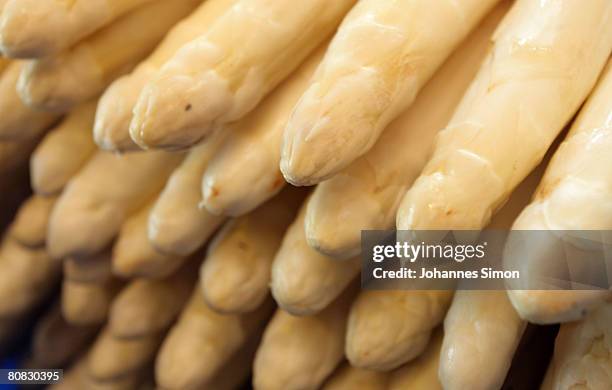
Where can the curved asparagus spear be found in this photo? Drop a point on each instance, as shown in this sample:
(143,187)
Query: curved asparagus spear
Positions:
(381,56)
(39,28)
(101,196)
(300,352)
(29,227)
(304,282)
(111,129)
(389,328)
(481,329)
(133,253)
(348,377)
(63,151)
(574,195)
(177,224)
(545,59)
(582,357)
(236,273)
(421,373)
(148,307)
(18,120)
(366,195)
(26,277)
(244,173)
(59,82)
(202,342)
(218,77)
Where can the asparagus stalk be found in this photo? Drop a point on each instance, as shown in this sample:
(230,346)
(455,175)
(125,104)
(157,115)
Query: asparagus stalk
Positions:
(235,276)
(348,377)
(366,195)
(40,28)
(59,82)
(421,373)
(111,129)
(63,151)
(29,228)
(545,59)
(382,55)
(574,194)
(219,77)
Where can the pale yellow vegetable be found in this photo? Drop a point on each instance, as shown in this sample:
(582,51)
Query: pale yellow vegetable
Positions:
(421,373)
(111,130)
(544,61)
(39,28)
(29,227)
(148,307)
(582,357)
(223,74)
(111,358)
(55,343)
(481,330)
(235,276)
(366,195)
(178,224)
(389,328)
(61,81)
(135,256)
(244,173)
(575,194)
(63,151)
(348,377)
(101,196)
(300,352)
(381,56)
(202,342)
(26,277)
(304,281)
(19,122)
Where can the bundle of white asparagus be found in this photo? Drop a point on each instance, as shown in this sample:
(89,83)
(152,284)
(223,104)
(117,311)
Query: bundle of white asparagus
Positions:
(165,141)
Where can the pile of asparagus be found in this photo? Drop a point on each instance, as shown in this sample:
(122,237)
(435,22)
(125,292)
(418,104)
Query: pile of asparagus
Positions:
(161,136)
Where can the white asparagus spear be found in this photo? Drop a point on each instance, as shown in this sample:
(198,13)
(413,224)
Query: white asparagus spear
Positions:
(55,343)
(88,289)
(88,303)
(223,74)
(59,82)
(348,377)
(481,330)
(574,194)
(366,195)
(112,126)
(135,256)
(245,173)
(26,277)
(304,282)
(383,53)
(40,28)
(389,328)
(101,196)
(300,352)
(29,227)
(63,151)
(18,120)
(236,273)
(544,61)
(177,224)
(203,341)
(147,307)
(112,358)
(421,373)
(582,357)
